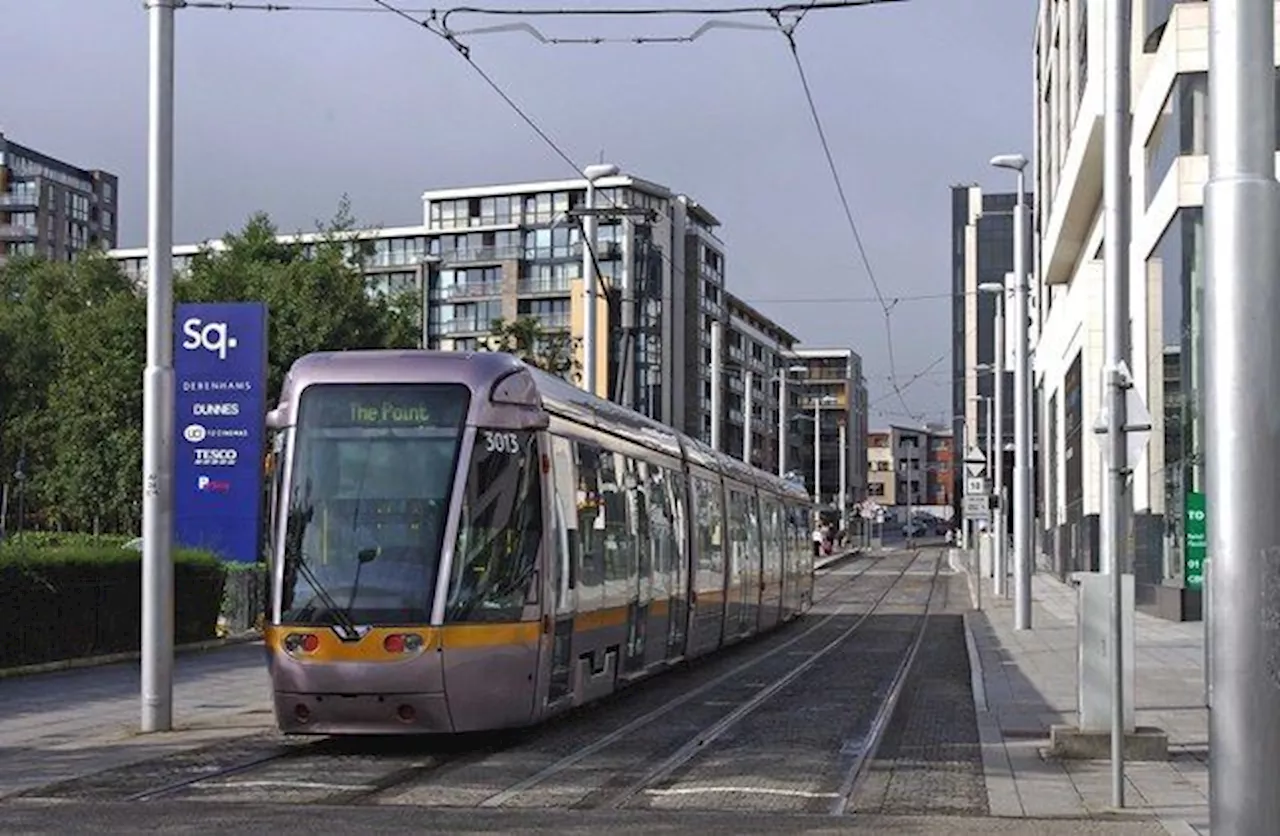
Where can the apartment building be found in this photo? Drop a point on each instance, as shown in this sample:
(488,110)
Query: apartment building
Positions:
(756,352)
(51,208)
(503,251)
(912,469)
(831,400)
(1169,44)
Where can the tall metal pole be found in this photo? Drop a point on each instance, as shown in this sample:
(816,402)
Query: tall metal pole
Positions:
(1116,230)
(844,475)
(629,325)
(1022,497)
(998,518)
(991,460)
(817,451)
(589,285)
(717,363)
(748,380)
(1242,347)
(157,385)
(782,423)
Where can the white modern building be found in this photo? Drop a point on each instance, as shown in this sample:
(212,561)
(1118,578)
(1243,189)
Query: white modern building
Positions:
(1169,168)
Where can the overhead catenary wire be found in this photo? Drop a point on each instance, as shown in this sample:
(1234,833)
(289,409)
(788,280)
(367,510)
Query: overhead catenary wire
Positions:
(432,20)
(788,31)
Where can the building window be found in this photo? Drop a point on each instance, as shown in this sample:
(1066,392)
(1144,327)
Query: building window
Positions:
(1175,272)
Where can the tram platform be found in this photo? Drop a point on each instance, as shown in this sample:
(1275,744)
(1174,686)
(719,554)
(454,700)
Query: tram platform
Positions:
(1024,682)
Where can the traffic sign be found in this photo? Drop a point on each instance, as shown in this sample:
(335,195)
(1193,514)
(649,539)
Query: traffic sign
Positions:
(1137,428)
(1195,543)
(975,464)
(975,484)
(976,508)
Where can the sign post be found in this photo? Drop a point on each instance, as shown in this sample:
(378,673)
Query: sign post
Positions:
(220,404)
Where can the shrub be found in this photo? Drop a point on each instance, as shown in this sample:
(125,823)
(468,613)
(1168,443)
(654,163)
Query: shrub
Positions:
(69,601)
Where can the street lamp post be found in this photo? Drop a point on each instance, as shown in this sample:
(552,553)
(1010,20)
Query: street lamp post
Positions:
(1242,347)
(1022,452)
(998,290)
(589,278)
(817,452)
(158,384)
(844,474)
(782,415)
(717,364)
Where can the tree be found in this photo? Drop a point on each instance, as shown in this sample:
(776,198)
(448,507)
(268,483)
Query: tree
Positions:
(74,348)
(552,351)
(317,297)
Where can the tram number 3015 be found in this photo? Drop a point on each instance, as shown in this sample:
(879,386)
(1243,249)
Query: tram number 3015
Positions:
(507,443)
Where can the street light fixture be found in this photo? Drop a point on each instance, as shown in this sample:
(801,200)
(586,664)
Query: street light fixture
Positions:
(1022,497)
(589,278)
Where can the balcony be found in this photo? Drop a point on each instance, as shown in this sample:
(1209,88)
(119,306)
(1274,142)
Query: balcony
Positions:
(15,232)
(555,321)
(478,290)
(461,326)
(21,200)
(534,286)
(471,255)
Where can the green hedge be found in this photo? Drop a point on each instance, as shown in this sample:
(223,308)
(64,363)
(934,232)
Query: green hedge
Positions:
(70,601)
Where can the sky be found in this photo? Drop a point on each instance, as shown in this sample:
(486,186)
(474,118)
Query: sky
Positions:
(285,111)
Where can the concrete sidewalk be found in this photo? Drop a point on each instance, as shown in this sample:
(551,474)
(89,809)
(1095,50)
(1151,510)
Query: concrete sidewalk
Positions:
(66,724)
(1025,681)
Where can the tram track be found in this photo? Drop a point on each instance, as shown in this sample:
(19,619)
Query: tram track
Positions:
(359,772)
(674,746)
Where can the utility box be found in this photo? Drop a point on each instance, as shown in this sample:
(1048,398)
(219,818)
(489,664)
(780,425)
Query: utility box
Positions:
(1094,650)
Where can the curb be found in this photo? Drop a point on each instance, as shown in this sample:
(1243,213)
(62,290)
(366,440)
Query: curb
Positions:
(977,679)
(123,656)
(834,559)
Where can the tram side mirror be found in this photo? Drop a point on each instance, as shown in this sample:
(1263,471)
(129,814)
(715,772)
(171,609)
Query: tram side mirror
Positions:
(367,555)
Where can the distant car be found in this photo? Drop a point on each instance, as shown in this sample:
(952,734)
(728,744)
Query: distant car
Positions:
(135,544)
(915,528)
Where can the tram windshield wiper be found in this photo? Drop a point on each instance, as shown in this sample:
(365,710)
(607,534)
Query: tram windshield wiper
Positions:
(340,616)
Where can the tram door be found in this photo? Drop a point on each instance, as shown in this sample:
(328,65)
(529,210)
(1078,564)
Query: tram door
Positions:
(677,561)
(633,477)
(563,566)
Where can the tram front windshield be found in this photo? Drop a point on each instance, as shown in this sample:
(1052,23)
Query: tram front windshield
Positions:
(367,501)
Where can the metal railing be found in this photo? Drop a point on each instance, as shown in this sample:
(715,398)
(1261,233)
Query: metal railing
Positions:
(470,291)
(541,285)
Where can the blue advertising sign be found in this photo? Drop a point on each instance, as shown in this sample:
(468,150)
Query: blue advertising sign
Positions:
(220,365)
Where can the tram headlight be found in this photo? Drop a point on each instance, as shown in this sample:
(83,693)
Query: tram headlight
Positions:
(301,643)
(403,643)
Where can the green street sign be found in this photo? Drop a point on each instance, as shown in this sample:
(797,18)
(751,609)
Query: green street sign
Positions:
(1194,545)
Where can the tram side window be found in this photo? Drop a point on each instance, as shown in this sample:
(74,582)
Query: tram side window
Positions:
(710,519)
(499,529)
(566,516)
(738,537)
(753,531)
(661,525)
(619,544)
(772,542)
(642,524)
(591,515)
(674,488)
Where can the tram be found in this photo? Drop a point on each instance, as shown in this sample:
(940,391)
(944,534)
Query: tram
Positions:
(461,542)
